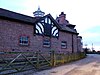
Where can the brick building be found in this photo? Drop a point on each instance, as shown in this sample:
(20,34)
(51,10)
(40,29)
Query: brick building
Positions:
(21,33)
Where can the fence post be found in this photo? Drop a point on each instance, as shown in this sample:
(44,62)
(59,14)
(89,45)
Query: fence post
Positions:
(53,60)
(63,58)
(37,63)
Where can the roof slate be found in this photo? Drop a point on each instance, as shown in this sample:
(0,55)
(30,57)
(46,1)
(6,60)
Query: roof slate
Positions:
(24,18)
(67,29)
(16,16)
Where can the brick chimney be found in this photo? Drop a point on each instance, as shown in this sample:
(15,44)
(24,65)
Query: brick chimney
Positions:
(62,19)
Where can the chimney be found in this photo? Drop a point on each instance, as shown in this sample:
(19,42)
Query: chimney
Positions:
(62,18)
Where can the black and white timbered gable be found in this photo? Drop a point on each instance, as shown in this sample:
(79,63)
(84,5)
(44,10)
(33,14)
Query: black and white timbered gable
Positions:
(47,26)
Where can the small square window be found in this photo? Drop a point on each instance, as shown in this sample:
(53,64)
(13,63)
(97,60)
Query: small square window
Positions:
(63,44)
(46,43)
(24,40)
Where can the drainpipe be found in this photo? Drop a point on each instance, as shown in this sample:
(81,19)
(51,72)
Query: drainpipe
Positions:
(72,44)
(77,45)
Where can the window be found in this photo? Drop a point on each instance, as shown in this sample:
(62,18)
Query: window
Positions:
(47,29)
(46,43)
(24,40)
(63,44)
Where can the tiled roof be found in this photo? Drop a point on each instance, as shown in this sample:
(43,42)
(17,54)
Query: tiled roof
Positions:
(67,29)
(28,19)
(16,16)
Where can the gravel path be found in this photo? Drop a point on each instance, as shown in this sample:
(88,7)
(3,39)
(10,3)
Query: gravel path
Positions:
(87,66)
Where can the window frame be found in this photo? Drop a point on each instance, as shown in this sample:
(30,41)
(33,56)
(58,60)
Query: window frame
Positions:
(45,42)
(24,40)
(64,44)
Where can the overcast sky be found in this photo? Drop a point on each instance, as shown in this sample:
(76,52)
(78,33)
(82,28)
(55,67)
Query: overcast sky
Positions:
(85,14)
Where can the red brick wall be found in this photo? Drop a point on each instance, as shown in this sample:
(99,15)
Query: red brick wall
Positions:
(80,44)
(10,32)
(75,43)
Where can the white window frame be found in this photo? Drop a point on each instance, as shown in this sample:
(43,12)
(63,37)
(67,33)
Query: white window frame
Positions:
(46,43)
(24,40)
(63,44)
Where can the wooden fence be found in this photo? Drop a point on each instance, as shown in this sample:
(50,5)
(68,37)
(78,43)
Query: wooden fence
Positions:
(13,62)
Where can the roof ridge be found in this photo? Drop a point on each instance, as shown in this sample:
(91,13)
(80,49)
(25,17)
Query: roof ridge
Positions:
(3,9)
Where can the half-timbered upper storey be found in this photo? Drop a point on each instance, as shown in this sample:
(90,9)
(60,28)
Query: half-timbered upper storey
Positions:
(46,26)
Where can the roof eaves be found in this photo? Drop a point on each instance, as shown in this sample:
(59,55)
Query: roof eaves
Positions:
(16,16)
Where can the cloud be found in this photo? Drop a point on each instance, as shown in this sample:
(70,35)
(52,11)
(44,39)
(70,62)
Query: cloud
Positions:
(95,29)
(91,37)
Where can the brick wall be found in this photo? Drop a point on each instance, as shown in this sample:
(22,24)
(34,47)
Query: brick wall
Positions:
(10,31)
(80,44)
(75,43)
